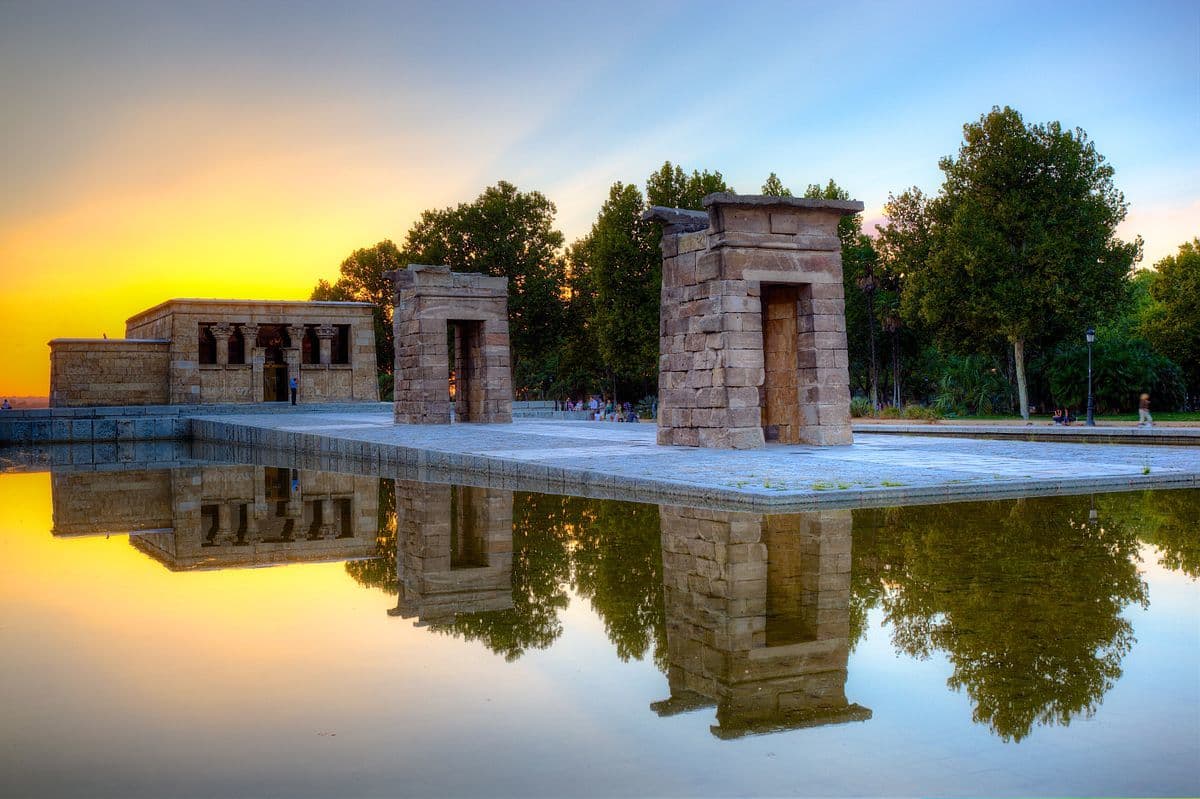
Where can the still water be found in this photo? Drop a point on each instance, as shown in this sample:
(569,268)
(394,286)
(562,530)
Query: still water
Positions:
(427,640)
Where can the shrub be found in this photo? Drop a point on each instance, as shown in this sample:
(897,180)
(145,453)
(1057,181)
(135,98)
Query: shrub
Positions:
(890,412)
(929,414)
(861,406)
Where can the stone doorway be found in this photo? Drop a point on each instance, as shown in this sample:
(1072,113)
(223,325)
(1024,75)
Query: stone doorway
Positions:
(463,342)
(275,382)
(783,321)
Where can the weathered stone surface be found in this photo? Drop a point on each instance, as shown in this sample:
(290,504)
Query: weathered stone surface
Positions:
(753,323)
(159,361)
(430,303)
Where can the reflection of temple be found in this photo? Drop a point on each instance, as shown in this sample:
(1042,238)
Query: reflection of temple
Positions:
(221,516)
(454,550)
(758,617)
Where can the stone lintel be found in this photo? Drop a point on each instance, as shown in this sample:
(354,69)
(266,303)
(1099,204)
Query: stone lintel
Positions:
(841,207)
(676,220)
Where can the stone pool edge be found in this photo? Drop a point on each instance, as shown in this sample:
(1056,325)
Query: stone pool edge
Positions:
(392,460)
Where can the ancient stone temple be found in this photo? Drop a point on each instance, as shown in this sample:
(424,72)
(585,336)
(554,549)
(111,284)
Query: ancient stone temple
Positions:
(222,351)
(758,617)
(442,315)
(753,326)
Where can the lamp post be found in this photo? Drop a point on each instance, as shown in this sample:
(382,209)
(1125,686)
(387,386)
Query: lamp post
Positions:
(1091,339)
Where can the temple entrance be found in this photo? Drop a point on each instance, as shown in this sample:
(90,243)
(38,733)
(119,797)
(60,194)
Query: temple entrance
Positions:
(463,339)
(275,382)
(780,393)
(272,339)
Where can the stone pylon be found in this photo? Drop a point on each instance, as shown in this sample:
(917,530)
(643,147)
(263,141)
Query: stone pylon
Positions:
(753,324)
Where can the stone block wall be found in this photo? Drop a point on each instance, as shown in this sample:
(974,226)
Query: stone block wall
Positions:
(105,372)
(752,327)
(191,382)
(758,616)
(431,305)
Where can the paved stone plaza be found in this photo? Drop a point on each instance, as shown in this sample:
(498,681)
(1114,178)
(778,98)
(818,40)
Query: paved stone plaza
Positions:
(623,460)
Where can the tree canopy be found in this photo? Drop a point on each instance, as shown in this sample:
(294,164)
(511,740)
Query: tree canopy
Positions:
(1024,243)
(1172,322)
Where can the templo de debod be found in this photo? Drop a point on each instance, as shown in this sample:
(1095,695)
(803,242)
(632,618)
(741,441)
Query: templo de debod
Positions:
(222,351)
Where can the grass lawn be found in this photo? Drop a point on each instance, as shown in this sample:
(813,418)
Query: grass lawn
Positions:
(1159,416)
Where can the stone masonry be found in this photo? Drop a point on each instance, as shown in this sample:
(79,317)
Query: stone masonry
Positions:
(758,617)
(434,306)
(753,327)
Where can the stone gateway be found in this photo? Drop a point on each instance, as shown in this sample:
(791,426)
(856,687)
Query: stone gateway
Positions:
(753,325)
(441,314)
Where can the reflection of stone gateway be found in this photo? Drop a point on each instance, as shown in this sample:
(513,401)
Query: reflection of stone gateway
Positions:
(758,617)
(753,328)
(454,550)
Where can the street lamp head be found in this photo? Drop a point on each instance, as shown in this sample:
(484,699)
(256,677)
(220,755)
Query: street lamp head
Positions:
(1091,335)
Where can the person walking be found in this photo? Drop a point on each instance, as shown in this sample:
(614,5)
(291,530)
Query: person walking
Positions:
(1144,418)
(293,387)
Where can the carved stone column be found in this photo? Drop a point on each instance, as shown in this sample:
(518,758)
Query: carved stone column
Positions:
(292,354)
(325,334)
(328,530)
(254,357)
(221,332)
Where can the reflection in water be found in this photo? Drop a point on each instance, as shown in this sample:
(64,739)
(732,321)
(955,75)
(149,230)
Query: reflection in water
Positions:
(1024,597)
(224,516)
(758,617)
(755,614)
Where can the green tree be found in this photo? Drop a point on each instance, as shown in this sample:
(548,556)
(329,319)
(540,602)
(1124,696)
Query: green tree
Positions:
(773,187)
(509,233)
(362,280)
(623,266)
(1172,323)
(903,245)
(670,186)
(1024,244)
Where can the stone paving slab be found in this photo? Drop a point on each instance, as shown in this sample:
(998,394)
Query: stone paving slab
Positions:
(622,460)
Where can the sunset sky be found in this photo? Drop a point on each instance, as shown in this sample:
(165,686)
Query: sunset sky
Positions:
(242,150)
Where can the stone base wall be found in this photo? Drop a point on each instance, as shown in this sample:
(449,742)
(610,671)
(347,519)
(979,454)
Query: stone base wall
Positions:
(725,379)
(429,301)
(106,372)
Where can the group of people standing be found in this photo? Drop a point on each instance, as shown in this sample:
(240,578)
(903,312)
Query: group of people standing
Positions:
(603,409)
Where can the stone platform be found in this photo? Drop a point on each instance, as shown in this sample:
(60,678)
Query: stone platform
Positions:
(622,461)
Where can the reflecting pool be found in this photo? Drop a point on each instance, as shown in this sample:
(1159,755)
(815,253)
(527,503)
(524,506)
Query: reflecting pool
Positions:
(417,639)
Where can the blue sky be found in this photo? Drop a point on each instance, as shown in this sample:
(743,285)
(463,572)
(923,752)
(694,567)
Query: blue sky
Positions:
(245,148)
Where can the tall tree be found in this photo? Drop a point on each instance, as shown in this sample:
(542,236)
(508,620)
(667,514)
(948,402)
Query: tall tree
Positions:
(624,266)
(362,281)
(670,186)
(510,233)
(1172,323)
(1025,243)
(903,246)
(773,187)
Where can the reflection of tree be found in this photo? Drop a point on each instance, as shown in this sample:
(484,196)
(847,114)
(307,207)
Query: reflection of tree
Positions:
(612,548)
(1024,597)
(380,571)
(618,565)
(1169,520)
